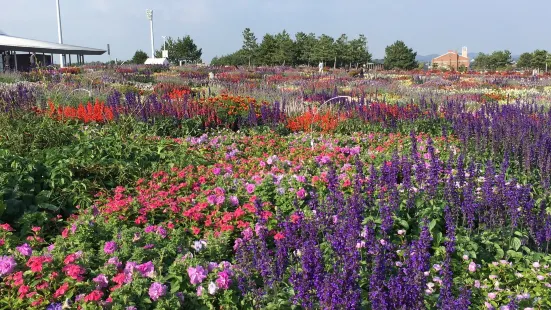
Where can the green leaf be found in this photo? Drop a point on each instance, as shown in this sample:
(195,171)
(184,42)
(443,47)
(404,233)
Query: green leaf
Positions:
(432,224)
(174,287)
(499,253)
(515,243)
(48,206)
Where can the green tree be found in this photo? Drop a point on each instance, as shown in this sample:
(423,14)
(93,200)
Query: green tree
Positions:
(525,61)
(181,49)
(284,53)
(359,52)
(250,46)
(500,60)
(304,47)
(324,49)
(238,58)
(139,57)
(399,56)
(267,50)
(481,61)
(343,51)
(539,59)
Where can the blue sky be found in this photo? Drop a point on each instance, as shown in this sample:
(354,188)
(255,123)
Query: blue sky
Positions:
(428,26)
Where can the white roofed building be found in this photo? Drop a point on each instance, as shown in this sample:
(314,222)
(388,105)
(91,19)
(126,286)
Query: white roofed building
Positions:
(19,50)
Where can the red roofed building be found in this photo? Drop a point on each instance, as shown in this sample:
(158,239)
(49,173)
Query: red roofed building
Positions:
(452,60)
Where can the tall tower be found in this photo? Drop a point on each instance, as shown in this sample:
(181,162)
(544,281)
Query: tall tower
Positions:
(464,52)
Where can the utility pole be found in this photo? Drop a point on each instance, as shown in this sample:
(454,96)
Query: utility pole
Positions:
(59,33)
(149,14)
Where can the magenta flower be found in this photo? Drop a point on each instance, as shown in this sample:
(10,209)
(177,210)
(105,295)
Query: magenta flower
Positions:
(114,261)
(129,271)
(223,280)
(197,274)
(25,250)
(110,247)
(234,201)
(146,269)
(250,188)
(157,290)
(7,265)
(101,281)
(211,199)
(150,229)
(301,193)
(161,231)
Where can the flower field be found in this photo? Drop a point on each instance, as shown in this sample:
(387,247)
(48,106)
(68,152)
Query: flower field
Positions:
(150,188)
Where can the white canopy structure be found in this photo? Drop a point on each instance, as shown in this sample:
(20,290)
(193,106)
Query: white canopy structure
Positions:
(157,61)
(9,43)
(12,45)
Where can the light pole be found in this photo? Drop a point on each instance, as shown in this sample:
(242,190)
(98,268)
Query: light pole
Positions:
(59,33)
(149,14)
(164,42)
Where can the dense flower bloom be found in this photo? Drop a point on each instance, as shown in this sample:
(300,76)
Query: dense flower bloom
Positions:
(54,306)
(6,227)
(250,188)
(93,296)
(35,262)
(196,274)
(157,290)
(7,265)
(101,280)
(301,193)
(234,201)
(146,269)
(114,261)
(25,249)
(75,271)
(110,247)
(472,267)
(61,290)
(223,281)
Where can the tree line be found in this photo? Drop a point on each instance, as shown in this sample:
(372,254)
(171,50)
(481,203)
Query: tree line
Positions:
(502,60)
(179,49)
(303,49)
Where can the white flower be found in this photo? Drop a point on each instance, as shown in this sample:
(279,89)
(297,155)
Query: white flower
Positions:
(199,245)
(401,232)
(536,264)
(213,288)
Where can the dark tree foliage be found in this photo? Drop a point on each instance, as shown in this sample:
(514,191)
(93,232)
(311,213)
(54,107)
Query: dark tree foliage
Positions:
(525,61)
(181,49)
(139,57)
(498,60)
(304,49)
(399,56)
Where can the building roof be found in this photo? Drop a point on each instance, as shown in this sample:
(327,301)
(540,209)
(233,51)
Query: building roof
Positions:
(156,61)
(455,54)
(10,43)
